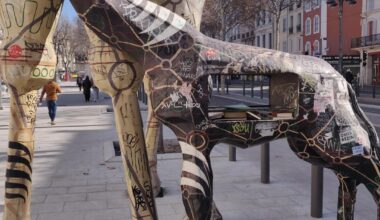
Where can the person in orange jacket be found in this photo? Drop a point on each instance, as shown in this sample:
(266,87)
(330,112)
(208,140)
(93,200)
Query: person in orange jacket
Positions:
(51,89)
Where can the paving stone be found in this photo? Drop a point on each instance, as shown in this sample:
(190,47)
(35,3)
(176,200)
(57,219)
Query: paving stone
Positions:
(62,216)
(109,214)
(50,191)
(87,189)
(116,187)
(86,205)
(38,198)
(47,208)
(107,195)
(118,203)
(66,198)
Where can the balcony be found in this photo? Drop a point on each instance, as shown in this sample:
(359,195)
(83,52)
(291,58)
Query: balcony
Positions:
(366,41)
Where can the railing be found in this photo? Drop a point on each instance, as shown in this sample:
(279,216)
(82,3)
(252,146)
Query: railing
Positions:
(366,41)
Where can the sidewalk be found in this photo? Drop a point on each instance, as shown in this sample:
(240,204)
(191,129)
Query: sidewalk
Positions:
(72,182)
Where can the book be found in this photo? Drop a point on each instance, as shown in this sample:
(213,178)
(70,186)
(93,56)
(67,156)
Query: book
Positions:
(253,115)
(215,115)
(235,114)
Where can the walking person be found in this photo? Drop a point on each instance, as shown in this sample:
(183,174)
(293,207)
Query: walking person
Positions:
(87,84)
(80,82)
(51,89)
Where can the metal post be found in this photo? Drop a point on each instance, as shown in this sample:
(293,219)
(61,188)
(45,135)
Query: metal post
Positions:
(340,15)
(218,83)
(1,95)
(265,164)
(244,86)
(316,191)
(252,85)
(262,87)
(232,153)
(227,82)
(374,88)
(160,141)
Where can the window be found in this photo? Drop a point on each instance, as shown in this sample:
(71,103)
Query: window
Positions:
(308,26)
(370,5)
(299,22)
(258,41)
(264,41)
(263,15)
(284,46)
(284,26)
(269,18)
(316,24)
(307,48)
(290,45)
(316,48)
(307,5)
(299,45)
(291,25)
(270,40)
(370,28)
(315,3)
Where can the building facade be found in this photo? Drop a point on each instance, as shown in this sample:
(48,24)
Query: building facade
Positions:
(290,33)
(314,32)
(350,29)
(368,43)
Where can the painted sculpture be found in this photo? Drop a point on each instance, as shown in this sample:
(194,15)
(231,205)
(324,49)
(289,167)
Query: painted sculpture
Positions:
(317,113)
(311,104)
(112,76)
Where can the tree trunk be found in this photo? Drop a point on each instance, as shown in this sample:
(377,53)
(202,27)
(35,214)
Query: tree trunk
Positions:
(277,31)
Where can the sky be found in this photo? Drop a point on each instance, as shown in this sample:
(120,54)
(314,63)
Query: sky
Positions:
(68,11)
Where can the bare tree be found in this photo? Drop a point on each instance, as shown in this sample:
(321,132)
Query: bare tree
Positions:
(61,41)
(80,41)
(222,16)
(70,43)
(275,8)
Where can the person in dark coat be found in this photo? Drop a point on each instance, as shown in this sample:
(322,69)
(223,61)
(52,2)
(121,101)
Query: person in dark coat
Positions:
(349,76)
(87,89)
(80,82)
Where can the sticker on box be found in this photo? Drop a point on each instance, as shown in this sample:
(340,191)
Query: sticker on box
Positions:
(358,150)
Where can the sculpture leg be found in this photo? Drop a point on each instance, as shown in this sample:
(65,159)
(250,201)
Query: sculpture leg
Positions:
(346,197)
(152,135)
(18,186)
(135,161)
(196,182)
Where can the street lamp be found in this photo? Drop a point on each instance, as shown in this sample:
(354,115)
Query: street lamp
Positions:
(339,3)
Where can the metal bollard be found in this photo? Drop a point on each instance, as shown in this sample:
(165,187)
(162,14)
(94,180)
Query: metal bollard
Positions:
(265,163)
(1,96)
(316,191)
(244,87)
(252,86)
(218,83)
(227,85)
(160,140)
(232,153)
